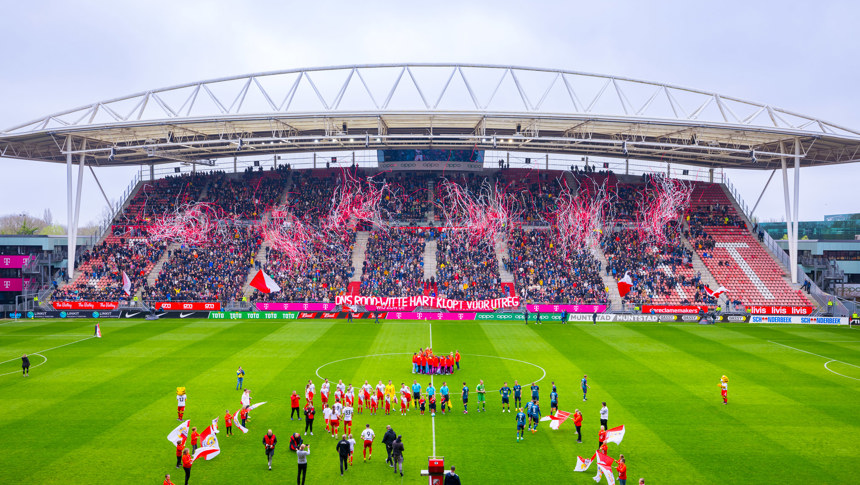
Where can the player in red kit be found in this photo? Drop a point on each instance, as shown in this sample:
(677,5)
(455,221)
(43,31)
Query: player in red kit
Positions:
(374,404)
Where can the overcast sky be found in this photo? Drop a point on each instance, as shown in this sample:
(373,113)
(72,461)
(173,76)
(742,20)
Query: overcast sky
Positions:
(60,55)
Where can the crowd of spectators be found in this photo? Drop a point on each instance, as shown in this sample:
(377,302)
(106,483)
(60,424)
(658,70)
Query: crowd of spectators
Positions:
(627,252)
(326,276)
(216,271)
(163,196)
(101,269)
(410,202)
(247,196)
(394,266)
(311,194)
(467,272)
(543,274)
(537,193)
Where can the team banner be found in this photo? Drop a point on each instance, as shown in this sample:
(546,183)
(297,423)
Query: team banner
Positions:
(663,309)
(429,301)
(253,315)
(188,305)
(780,310)
(85,305)
(551,308)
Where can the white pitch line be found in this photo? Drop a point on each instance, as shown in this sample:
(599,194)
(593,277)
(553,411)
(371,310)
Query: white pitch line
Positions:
(829,359)
(32,367)
(838,374)
(52,348)
(432,418)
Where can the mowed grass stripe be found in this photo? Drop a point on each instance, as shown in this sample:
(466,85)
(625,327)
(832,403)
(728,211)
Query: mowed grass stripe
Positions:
(759,398)
(110,380)
(690,389)
(616,378)
(210,392)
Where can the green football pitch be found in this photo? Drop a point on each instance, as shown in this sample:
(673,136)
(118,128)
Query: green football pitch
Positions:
(99,410)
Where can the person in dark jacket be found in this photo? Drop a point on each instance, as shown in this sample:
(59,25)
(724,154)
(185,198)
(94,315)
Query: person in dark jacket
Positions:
(270,440)
(388,440)
(25,365)
(343,452)
(452,478)
(397,454)
(295,442)
(309,418)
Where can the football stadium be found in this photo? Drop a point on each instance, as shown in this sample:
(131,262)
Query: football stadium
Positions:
(522,273)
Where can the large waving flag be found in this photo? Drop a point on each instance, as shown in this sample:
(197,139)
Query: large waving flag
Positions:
(238,421)
(604,467)
(265,283)
(255,406)
(624,285)
(126,283)
(715,294)
(582,464)
(615,435)
(556,420)
(209,447)
(180,432)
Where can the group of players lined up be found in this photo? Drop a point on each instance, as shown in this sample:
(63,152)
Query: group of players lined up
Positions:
(425,362)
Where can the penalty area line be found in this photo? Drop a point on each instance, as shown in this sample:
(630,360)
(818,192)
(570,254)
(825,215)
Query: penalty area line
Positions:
(829,359)
(32,367)
(52,348)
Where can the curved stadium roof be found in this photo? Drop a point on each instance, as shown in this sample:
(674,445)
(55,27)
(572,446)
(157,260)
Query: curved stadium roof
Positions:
(446,106)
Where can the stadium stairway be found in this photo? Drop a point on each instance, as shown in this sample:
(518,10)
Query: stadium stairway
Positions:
(699,266)
(430,259)
(501,252)
(359,254)
(431,187)
(608,282)
(153,275)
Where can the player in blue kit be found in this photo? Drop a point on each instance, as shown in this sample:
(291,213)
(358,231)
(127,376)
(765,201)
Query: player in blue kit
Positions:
(535,415)
(505,391)
(521,424)
(585,387)
(465,399)
(518,395)
(535,390)
(553,401)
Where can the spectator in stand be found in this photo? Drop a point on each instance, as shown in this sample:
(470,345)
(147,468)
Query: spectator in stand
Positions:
(467,272)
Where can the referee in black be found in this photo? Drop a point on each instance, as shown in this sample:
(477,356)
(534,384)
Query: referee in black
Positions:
(25,365)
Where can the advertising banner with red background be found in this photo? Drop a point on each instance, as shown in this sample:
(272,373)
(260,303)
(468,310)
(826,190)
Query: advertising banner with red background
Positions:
(188,305)
(85,305)
(780,310)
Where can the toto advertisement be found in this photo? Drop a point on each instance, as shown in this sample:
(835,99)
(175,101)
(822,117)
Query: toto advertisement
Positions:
(296,307)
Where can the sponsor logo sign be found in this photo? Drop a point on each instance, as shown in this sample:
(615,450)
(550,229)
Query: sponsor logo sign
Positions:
(11,284)
(431,302)
(673,309)
(433,165)
(854,321)
(796,319)
(253,315)
(548,317)
(619,317)
(85,305)
(780,310)
(307,314)
(429,316)
(13,262)
(733,318)
(556,308)
(188,305)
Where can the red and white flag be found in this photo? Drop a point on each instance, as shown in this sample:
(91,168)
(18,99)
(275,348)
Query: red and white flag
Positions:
(582,464)
(238,421)
(715,294)
(256,405)
(180,432)
(264,283)
(615,435)
(126,283)
(624,285)
(98,332)
(555,421)
(604,467)
(209,447)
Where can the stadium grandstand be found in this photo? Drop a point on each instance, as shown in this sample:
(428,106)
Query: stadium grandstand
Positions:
(382,181)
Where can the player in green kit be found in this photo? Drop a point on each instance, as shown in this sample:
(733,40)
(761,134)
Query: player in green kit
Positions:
(521,424)
(481,396)
(505,391)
